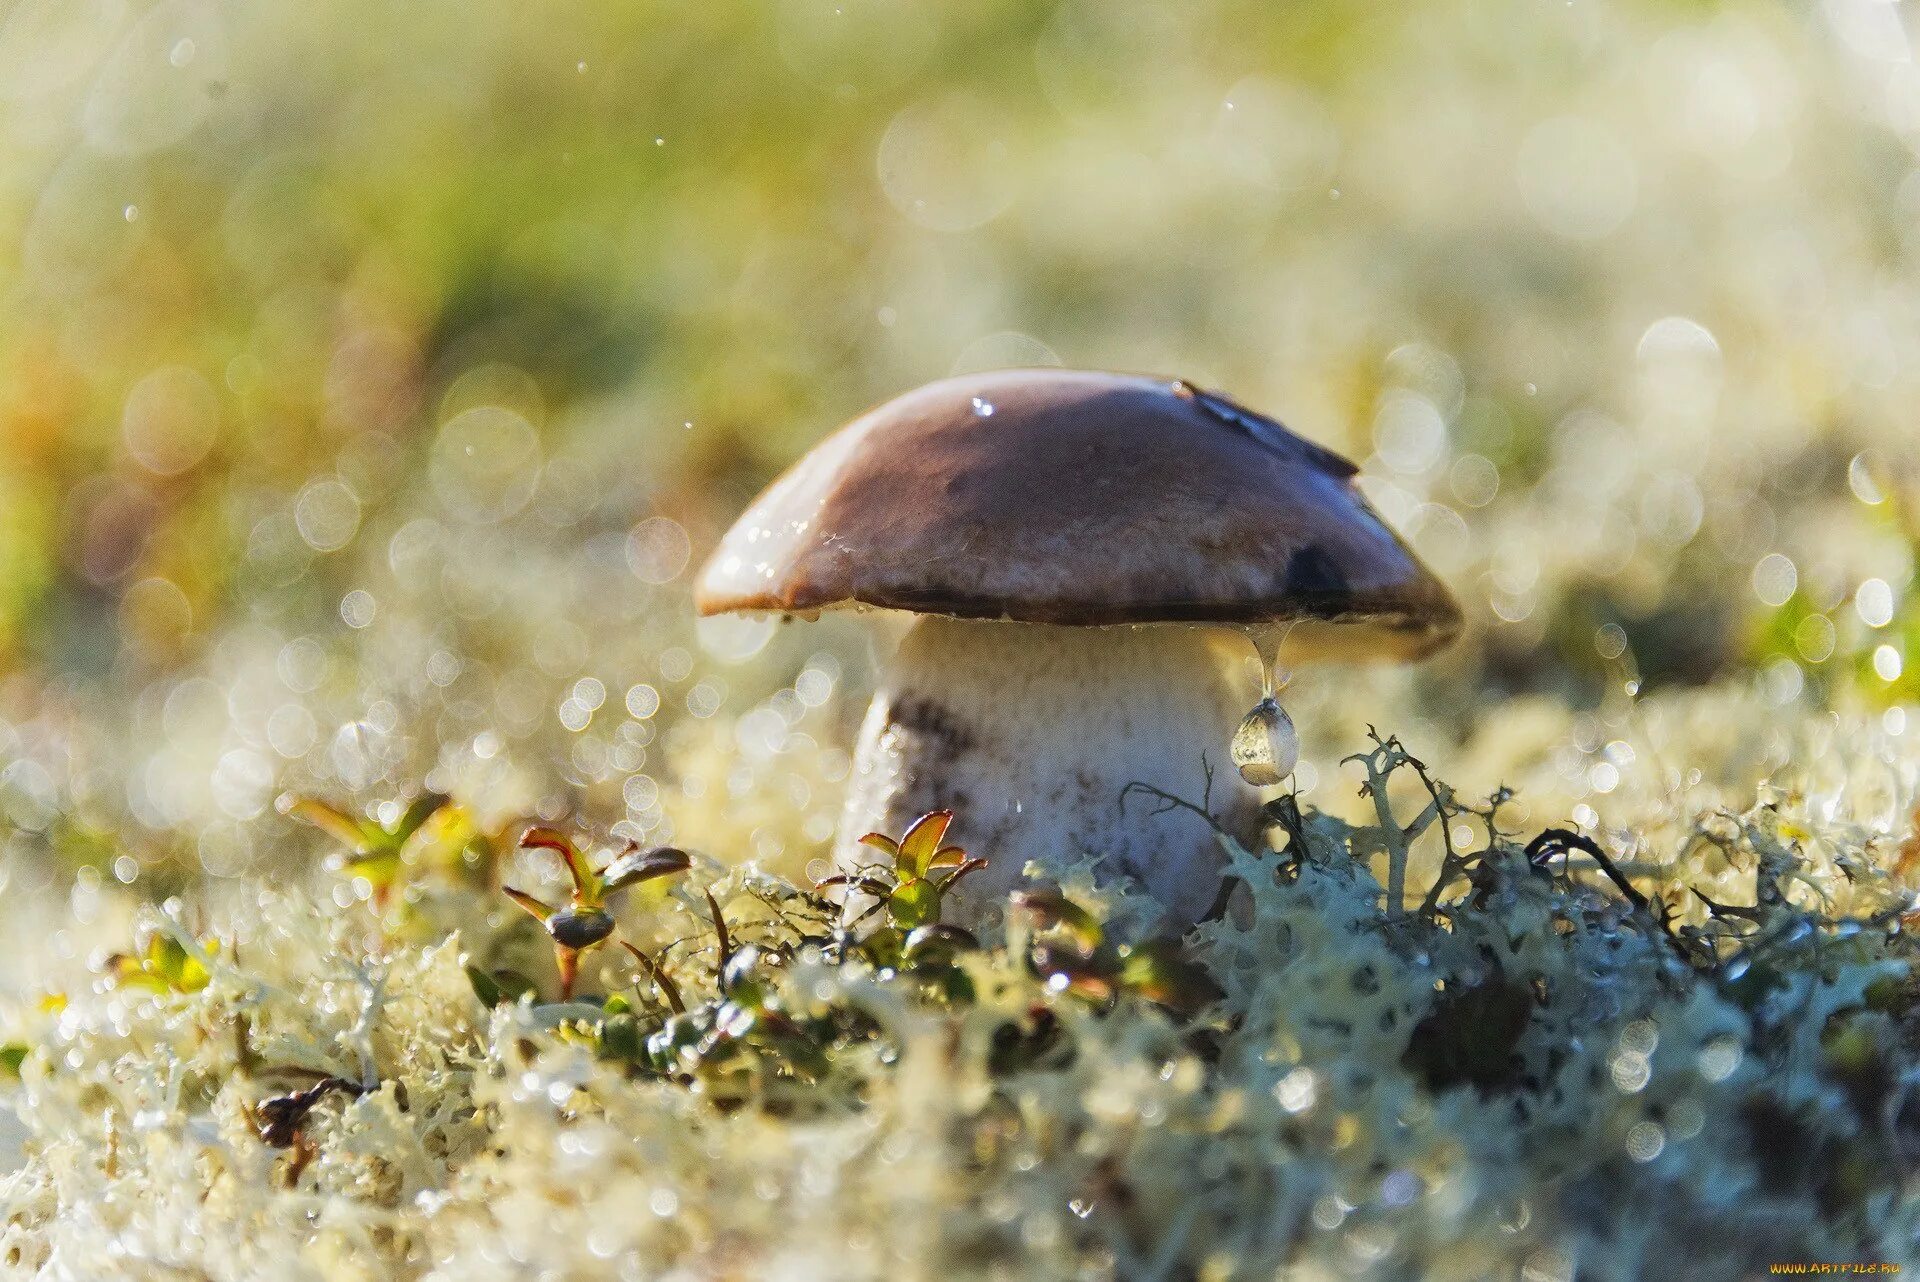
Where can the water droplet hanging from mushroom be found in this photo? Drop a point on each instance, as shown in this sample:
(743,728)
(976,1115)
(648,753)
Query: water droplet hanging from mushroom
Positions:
(1265,748)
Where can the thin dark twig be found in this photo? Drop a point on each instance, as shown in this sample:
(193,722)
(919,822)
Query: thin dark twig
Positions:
(1221,899)
(278,1120)
(1501,796)
(1439,806)
(1542,848)
(1717,909)
(778,910)
(1451,867)
(720,929)
(1560,841)
(1285,811)
(1169,801)
(870,911)
(668,989)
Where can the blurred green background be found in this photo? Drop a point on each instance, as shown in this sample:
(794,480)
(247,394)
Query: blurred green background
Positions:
(372,376)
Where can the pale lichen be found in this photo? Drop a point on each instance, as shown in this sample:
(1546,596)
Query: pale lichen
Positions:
(1519,1068)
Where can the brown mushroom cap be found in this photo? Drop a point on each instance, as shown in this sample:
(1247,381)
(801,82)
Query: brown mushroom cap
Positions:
(1066,497)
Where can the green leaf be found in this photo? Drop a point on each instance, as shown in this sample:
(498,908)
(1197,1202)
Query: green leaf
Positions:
(882,946)
(539,908)
(424,807)
(1157,972)
(914,902)
(586,883)
(483,987)
(381,868)
(938,942)
(620,1037)
(12,1056)
(191,976)
(1051,910)
(358,835)
(498,988)
(637,866)
(513,985)
(166,958)
(1070,971)
(954,984)
(164,966)
(921,843)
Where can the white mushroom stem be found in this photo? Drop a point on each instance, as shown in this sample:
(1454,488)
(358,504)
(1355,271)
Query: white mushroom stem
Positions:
(1030,734)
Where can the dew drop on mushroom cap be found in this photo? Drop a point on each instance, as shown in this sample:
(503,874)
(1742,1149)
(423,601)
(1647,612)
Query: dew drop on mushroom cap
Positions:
(1074,556)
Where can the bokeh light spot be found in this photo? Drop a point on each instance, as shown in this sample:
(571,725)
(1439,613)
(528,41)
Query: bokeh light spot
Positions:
(170,420)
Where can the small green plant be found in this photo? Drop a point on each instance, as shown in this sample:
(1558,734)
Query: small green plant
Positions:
(733,1046)
(164,965)
(905,887)
(1068,948)
(584,921)
(379,852)
(747,1037)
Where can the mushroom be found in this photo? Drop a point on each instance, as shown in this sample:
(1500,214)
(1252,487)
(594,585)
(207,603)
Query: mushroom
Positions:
(1077,545)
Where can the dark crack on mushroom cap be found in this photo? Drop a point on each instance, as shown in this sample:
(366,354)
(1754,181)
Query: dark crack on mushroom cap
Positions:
(1068,497)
